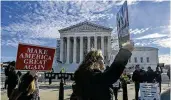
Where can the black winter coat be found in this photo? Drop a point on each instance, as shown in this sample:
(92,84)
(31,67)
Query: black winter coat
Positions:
(12,79)
(6,70)
(168,73)
(139,76)
(150,76)
(96,85)
(158,76)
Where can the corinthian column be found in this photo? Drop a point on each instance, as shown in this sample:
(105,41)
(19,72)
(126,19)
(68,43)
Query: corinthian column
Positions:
(61,49)
(109,46)
(95,42)
(68,51)
(88,44)
(102,44)
(81,49)
(74,54)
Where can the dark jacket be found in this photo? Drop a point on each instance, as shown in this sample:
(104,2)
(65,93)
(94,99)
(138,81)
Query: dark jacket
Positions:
(12,79)
(168,73)
(6,70)
(26,79)
(139,76)
(143,75)
(150,76)
(158,76)
(12,82)
(96,85)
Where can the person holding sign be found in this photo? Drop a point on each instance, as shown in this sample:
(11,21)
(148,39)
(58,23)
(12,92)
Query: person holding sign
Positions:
(91,82)
(26,88)
(138,77)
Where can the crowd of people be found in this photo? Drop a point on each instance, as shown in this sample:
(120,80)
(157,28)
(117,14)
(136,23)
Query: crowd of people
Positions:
(149,76)
(92,81)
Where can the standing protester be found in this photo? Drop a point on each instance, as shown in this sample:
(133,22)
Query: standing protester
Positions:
(168,74)
(26,88)
(12,79)
(116,87)
(124,81)
(150,75)
(158,78)
(50,77)
(138,77)
(6,76)
(143,75)
(63,71)
(93,84)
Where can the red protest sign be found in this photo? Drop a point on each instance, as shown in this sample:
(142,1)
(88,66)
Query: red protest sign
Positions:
(31,57)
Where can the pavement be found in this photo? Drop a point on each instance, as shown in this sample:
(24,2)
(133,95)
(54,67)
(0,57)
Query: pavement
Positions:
(166,95)
(52,92)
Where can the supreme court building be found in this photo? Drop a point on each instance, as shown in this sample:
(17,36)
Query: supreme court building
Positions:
(77,40)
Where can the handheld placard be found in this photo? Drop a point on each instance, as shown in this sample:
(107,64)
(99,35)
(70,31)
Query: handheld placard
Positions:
(123,25)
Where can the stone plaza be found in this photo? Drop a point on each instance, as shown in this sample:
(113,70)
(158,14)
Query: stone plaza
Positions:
(52,92)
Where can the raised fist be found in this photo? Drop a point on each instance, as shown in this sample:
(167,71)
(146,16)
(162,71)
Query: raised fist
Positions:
(128,45)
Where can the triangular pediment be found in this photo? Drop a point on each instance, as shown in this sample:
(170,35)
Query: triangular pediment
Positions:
(85,27)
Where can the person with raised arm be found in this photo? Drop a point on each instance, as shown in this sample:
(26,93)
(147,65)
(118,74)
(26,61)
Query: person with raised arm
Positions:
(92,82)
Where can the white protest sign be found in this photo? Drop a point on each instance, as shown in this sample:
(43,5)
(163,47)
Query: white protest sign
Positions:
(149,91)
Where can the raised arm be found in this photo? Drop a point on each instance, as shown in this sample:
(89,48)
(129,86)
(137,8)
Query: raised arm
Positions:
(114,72)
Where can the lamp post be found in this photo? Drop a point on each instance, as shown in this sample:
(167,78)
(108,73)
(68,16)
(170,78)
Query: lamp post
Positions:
(61,88)
(62,77)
